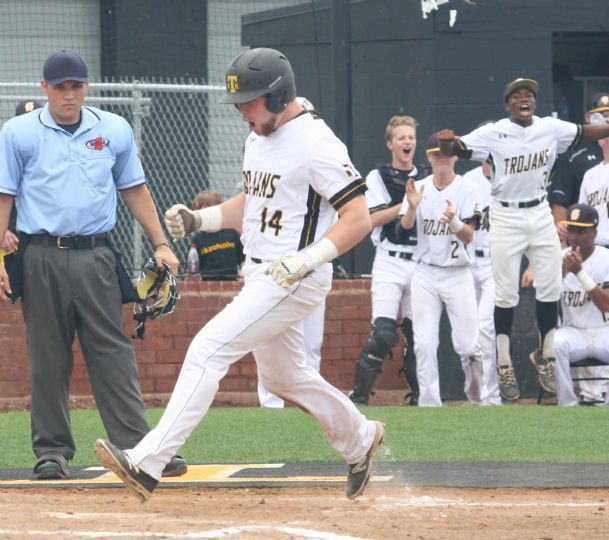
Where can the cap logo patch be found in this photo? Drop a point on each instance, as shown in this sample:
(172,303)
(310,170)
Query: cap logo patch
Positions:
(604,100)
(231,83)
(575,214)
(99,143)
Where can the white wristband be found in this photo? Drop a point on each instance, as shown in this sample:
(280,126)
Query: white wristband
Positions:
(585,280)
(210,219)
(456,224)
(323,252)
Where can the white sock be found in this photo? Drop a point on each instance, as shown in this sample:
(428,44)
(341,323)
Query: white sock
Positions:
(503,350)
(547,348)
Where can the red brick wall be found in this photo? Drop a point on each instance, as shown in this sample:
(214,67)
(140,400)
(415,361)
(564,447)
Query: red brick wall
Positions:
(160,355)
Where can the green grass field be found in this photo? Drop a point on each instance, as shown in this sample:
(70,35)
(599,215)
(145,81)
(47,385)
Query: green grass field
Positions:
(525,433)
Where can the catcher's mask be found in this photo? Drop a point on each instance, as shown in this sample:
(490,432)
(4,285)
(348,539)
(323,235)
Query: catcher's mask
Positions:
(158,292)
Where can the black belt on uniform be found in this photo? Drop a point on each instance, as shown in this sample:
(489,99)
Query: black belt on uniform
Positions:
(482,253)
(401,255)
(524,204)
(69,242)
(257,261)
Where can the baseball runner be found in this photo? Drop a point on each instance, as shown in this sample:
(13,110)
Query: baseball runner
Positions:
(522,149)
(445,209)
(393,266)
(485,286)
(584,329)
(296,176)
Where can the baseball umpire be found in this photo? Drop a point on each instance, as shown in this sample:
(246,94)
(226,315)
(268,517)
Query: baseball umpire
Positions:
(522,149)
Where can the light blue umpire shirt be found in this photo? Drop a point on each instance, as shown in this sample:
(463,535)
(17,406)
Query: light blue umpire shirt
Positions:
(66,184)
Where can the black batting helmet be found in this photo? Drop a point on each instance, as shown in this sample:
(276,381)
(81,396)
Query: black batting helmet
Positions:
(260,72)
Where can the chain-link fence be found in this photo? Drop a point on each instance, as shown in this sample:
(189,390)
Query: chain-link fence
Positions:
(187,141)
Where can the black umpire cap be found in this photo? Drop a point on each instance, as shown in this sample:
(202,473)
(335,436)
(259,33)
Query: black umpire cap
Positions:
(27,106)
(581,215)
(64,66)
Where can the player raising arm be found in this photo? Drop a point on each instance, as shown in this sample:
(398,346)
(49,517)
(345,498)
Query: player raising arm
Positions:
(296,176)
(522,150)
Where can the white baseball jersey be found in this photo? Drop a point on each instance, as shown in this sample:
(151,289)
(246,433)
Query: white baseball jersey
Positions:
(577,309)
(595,192)
(522,157)
(379,198)
(482,238)
(436,243)
(294,181)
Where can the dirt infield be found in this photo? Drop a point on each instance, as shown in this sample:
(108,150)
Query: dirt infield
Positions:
(299,513)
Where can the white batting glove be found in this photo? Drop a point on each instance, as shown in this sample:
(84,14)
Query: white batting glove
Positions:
(181,221)
(289,269)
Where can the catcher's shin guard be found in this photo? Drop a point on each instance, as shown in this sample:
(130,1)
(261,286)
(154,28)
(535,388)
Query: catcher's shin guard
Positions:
(409,367)
(367,369)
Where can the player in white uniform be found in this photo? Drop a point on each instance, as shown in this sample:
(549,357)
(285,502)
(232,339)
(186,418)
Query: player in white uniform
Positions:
(393,266)
(296,176)
(312,327)
(485,285)
(584,330)
(522,150)
(446,210)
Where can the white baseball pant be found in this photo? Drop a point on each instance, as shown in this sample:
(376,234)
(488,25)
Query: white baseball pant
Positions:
(264,318)
(485,295)
(530,231)
(390,287)
(313,332)
(432,287)
(574,344)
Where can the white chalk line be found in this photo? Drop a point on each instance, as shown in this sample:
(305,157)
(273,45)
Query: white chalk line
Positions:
(388,503)
(218,533)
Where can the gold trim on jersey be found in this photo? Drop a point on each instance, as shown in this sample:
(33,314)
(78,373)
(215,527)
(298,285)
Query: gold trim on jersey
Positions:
(355,188)
(310,220)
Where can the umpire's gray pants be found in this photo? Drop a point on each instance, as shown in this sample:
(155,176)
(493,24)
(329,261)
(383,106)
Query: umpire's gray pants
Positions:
(68,292)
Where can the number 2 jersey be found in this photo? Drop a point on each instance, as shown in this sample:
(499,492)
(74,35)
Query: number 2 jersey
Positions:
(436,243)
(294,180)
(576,308)
(521,157)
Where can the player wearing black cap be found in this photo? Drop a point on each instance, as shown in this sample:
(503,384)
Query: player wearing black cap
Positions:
(522,150)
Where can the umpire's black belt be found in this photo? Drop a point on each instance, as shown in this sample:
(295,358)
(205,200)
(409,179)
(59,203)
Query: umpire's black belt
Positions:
(69,242)
(522,204)
(401,255)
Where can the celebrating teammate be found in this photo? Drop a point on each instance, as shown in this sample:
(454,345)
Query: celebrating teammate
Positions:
(393,266)
(485,286)
(445,209)
(296,176)
(522,149)
(584,331)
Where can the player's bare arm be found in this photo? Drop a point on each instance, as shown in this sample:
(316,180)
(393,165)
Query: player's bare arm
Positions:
(139,200)
(595,132)
(6,203)
(384,216)
(413,197)
(447,140)
(354,224)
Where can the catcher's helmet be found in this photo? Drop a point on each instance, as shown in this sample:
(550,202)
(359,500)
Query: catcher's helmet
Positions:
(260,72)
(158,293)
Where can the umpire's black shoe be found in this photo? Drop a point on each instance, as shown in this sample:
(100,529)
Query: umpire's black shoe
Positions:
(136,481)
(359,473)
(176,467)
(356,398)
